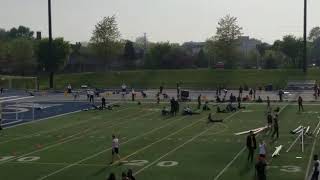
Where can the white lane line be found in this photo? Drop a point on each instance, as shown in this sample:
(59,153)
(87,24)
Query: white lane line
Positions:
(8,97)
(310,158)
(13,122)
(177,148)
(10,100)
(52,117)
(101,152)
(237,155)
(70,138)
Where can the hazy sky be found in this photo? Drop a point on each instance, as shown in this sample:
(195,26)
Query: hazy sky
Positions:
(162,20)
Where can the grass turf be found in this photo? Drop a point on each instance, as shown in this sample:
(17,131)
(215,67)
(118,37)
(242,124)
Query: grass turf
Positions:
(190,78)
(77,146)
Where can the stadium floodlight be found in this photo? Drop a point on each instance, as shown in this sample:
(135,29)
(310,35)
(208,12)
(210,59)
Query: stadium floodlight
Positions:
(50,43)
(305,37)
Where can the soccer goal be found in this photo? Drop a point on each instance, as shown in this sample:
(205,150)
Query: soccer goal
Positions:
(19,82)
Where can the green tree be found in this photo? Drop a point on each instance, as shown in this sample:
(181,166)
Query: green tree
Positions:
(314,33)
(226,40)
(60,53)
(292,48)
(129,54)
(21,52)
(105,39)
(21,32)
(202,60)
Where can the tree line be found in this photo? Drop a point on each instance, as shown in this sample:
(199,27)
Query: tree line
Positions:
(21,53)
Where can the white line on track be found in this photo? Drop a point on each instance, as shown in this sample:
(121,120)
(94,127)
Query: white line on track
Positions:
(311,154)
(71,138)
(8,97)
(52,117)
(101,152)
(237,155)
(10,100)
(177,148)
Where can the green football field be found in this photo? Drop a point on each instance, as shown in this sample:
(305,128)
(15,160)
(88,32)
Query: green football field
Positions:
(77,146)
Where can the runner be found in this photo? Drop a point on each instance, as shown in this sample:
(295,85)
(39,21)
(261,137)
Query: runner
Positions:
(315,172)
(199,101)
(269,120)
(103,103)
(300,100)
(115,149)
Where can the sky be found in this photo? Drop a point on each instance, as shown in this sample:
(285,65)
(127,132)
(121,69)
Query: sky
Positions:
(163,20)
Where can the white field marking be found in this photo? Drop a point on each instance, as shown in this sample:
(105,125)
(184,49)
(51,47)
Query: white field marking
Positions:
(177,148)
(51,117)
(315,129)
(10,100)
(11,123)
(52,130)
(101,152)
(310,158)
(8,97)
(162,139)
(62,164)
(70,138)
(237,155)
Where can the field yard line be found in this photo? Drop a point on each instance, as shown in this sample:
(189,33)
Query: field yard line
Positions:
(4,124)
(69,139)
(146,147)
(52,130)
(310,159)
(1,98)
(51,117)
(10,100)
(237,155)
(311,155)
(101,152)
(175,149)
(62,164)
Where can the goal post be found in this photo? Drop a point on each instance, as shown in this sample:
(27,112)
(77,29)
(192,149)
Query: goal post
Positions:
(19,82)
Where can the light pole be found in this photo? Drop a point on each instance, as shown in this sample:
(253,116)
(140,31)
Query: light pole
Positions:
(50,44)
(305,38)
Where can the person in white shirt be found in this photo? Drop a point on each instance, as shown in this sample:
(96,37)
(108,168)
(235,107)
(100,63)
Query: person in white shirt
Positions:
(262,149)
(115,149)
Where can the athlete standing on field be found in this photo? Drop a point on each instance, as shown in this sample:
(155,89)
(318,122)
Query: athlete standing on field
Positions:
(300,100)
(115,148)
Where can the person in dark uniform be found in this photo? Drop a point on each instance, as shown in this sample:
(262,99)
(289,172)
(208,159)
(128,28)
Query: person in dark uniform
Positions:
(251,145)
(161,88)
(300,100)
(261,169)
(315,172)
(199,101)
(275,126)
(103,103)
(281,95)
(1,90)
(172,105)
